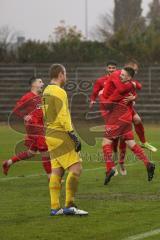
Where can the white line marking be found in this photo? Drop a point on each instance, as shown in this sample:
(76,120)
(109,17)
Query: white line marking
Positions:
(144,235)
(21,177)
(39,175)
(43,174)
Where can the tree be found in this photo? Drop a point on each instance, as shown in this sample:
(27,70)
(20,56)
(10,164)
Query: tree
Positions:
(7,37)
(66,33)
(104,30)
(33,52)
(154,14)
(127,14)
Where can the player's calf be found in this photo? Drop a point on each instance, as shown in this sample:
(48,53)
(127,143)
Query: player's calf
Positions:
(19,157)
(139,153)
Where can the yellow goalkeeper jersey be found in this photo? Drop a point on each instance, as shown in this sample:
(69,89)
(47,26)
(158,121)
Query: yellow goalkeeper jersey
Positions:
(55,108)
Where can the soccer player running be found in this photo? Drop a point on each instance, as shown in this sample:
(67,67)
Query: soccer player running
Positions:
(119,121)
(29,109)
(63,145)
(97,92)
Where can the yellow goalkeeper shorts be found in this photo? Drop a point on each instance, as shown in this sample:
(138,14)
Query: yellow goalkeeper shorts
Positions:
(61,149)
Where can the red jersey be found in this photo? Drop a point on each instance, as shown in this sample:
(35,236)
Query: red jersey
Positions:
(114,83)
(30,104)
(116,91)
(98,86)
(117,97)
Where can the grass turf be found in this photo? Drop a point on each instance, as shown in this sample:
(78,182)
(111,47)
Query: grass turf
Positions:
(127,206)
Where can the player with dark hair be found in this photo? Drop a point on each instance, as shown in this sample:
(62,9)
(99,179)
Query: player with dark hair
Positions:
(100,82)
(29,109)
(119,119)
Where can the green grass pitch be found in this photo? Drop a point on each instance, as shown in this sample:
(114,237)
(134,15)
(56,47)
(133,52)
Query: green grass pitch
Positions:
(129,205)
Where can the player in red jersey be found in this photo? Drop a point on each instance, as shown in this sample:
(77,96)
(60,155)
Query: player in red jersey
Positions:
(119,117)
(97,92)
(29,109)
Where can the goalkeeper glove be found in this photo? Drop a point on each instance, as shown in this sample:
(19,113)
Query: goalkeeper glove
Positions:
(75,140)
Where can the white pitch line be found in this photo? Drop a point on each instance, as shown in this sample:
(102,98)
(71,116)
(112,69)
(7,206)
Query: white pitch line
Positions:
(39,175)
(144,235)
(92,169)
(20,177)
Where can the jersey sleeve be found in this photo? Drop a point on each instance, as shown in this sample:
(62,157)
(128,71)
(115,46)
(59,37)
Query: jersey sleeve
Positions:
(115,97)
(98,86)
(138,85)
(63,114)
(19,107)
(122,87)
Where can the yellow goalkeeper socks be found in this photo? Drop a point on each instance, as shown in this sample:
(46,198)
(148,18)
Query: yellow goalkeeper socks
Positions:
(55,188)
(71,188)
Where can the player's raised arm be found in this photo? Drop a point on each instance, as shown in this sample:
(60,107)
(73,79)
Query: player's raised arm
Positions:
(138,84)
(98,86)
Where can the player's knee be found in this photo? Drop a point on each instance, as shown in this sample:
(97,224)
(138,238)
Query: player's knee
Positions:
(106,141)
(76,168)
(45,154)
(130,143)
(58,171)
(31,153)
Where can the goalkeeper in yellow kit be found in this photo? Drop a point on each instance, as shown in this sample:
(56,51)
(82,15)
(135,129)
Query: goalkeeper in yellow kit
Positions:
(63,144)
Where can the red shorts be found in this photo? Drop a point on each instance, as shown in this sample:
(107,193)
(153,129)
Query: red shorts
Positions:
(35,138)
(118,121)
(36,143)
(114,132)
(128,136)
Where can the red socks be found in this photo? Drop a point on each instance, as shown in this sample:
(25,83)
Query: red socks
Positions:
(138,151)
(47,164)
(122,149)
(25,155)
(115,144)
(107,151)
(140,131)
(21,156)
